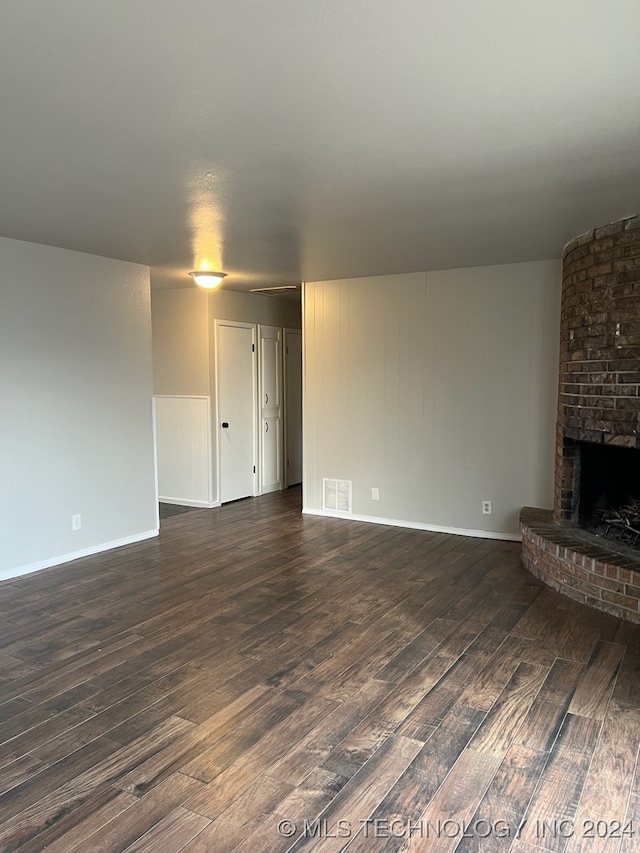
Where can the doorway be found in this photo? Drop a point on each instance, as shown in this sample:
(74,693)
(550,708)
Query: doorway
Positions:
(258,427)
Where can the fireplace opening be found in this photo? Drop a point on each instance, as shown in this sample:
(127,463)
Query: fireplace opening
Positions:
(609,492)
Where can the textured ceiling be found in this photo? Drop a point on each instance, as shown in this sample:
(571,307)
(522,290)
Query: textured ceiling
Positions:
(298,140)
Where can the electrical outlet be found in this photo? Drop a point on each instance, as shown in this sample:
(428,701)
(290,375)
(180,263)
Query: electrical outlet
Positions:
(375,494)
(487,509)
(76,522)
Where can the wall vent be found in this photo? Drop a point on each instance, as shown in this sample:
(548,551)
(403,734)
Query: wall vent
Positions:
(276,291)
(336,495)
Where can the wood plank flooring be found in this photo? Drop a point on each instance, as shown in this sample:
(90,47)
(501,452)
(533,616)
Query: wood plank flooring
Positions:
(259,680)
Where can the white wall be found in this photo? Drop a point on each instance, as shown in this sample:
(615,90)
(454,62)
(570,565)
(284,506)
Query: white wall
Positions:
(76,397)
(437,388)
(180,324)
(183,322)
(183,426)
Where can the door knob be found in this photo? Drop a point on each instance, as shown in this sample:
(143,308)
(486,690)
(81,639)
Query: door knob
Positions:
(225,425)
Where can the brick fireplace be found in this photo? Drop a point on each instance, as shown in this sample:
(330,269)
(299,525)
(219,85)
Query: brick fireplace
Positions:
(598,419)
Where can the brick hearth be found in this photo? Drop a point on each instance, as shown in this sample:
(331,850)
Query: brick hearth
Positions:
(579,566)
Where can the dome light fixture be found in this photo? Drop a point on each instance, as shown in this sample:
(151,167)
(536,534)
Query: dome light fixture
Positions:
(208,279)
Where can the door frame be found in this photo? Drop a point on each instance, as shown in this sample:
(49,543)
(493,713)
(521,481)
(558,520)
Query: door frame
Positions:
(287,333)
(254,375)
(279,337)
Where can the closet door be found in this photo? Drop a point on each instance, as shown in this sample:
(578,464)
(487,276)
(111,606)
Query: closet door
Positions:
(293,406)
(236,399)
(270,406)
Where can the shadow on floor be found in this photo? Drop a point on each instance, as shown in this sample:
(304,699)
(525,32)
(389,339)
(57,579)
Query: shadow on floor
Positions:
(167,510)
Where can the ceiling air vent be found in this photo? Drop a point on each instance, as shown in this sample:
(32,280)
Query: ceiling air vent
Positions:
(336,495)
(275,291)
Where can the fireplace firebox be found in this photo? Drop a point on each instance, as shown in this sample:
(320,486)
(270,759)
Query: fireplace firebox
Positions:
(608,492)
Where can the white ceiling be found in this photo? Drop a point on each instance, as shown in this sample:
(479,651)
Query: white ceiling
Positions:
(288,140)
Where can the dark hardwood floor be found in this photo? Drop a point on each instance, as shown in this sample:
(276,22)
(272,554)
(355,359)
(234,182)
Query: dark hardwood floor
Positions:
(258,680)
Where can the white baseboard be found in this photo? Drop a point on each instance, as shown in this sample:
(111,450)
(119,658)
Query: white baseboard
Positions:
(267,490)
(185,502)
(7,574)
(414,525)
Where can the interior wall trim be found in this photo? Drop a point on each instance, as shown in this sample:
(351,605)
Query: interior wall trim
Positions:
(185,502)
(76,555)
(414,525)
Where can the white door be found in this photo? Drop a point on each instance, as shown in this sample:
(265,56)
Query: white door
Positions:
(270,393)
(236,405)
(293,406)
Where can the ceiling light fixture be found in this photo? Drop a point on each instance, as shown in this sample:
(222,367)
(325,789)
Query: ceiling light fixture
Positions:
(207,279)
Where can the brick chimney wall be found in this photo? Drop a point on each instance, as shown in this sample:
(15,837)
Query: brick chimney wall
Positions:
(599,392)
